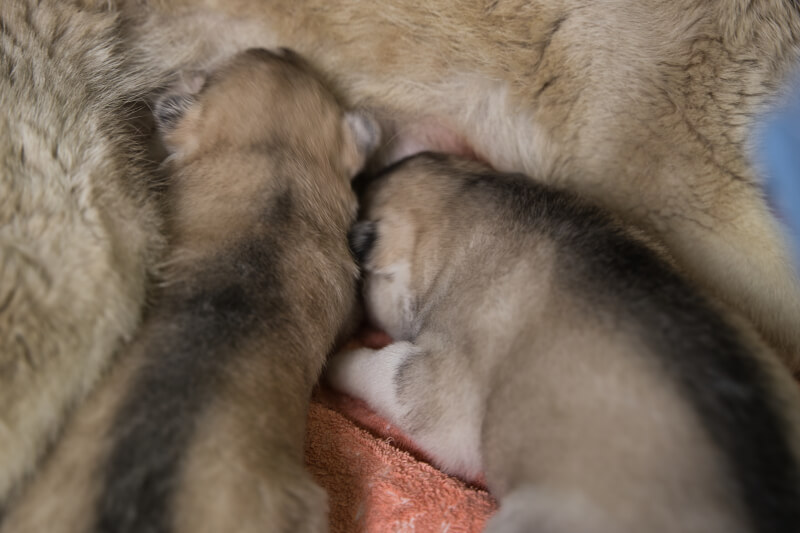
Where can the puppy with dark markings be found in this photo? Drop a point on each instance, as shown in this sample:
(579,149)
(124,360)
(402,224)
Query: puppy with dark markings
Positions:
(647,108)
(540,341)
(200,426)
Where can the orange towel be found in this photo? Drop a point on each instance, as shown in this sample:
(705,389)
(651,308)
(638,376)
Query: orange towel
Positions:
(377,481)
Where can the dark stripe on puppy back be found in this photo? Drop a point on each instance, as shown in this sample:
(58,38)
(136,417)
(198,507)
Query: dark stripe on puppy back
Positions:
(197,330)
(704,354)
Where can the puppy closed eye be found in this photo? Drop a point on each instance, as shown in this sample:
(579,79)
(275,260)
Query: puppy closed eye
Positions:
(362,237)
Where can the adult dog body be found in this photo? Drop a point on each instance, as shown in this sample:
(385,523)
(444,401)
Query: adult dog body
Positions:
(644,107)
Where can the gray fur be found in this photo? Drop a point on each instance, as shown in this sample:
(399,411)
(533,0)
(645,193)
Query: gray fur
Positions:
(544,343)
(645,107)
(200,424)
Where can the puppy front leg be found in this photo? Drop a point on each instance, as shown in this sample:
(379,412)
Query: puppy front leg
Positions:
(370,375)
(432,396)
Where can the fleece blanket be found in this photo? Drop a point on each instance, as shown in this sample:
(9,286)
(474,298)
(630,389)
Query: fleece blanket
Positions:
(376,479)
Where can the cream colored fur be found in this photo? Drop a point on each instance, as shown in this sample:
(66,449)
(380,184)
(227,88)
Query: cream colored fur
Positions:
(262,130)
(646,107)
(521,355)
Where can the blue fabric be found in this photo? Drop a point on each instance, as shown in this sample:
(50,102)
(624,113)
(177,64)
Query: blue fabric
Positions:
(779,151)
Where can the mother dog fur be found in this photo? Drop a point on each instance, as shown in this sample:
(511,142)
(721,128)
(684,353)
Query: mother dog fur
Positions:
(644,107)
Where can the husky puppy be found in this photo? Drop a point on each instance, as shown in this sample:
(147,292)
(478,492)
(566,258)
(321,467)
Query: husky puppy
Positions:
(541,342)
(645,107)
(200,427)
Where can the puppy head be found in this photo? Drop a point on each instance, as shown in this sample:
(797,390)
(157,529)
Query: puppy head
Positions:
(384,249)
(263,99)
(412,234)
(398,242)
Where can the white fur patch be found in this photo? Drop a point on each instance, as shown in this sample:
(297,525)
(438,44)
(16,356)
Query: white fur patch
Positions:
(369,374)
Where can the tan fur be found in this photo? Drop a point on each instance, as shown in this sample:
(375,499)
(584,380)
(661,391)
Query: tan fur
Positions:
(647,108)
(262,126)
(62,494)
(79,228)
(510,364)
(251,438)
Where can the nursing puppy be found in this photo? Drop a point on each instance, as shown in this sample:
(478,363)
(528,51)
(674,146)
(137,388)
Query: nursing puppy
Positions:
(81,232)
(646,107)
(541,342)
(201,424)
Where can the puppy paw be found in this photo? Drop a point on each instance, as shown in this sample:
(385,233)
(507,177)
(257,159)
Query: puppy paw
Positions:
(344,370)
(370,375)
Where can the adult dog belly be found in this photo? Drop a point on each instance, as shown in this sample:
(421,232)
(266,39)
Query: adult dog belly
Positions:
(643,107)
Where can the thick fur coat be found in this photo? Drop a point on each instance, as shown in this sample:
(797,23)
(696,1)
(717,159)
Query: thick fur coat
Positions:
(646,108)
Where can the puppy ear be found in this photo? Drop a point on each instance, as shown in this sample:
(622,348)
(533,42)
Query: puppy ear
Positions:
(171,106)
(362,135)
(361,238)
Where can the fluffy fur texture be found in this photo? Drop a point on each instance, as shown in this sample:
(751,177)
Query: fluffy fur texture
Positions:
(80,231)
(540,341)
(646,107)
(201,425)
